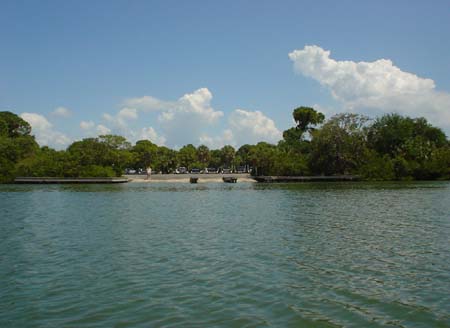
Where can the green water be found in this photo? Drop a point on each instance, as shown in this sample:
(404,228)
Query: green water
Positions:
(220,255)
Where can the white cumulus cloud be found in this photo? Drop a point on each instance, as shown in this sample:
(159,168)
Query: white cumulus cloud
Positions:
(189,119)
(378,85)
(62,112)
(199,103)
(244,127)
(150,134)
(44,132)
(86,125)
(121,119)
(253,126)
(127,114)
(181,121)
(216,142)
(102,130)
(147,104)
(90,129)
(186,119)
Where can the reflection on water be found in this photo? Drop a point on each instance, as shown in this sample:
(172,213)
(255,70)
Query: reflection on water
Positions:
(182,186)
(225,255)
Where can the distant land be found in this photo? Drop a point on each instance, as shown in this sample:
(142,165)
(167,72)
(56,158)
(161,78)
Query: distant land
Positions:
(390,147)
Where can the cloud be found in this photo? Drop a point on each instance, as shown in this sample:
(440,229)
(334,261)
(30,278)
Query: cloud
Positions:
(147,104)
(120,123)
(102,130)
(121,119)
(377,85)
(244,127)
(150,134)
(216,142)
(44,132)
(90,129)
(86,125)
(253,126)
(127,114)
(197,102)
(189,119)
(181,121)
(62,112)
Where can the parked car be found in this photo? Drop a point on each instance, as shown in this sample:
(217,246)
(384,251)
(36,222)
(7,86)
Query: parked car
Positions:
(181,170)
(195,171)
(241,169)
(227,171)
(211,170)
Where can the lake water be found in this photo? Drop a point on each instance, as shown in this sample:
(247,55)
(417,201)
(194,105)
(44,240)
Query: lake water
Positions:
(225,255)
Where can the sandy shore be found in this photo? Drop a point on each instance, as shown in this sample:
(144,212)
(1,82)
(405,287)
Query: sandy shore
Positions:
(202,178)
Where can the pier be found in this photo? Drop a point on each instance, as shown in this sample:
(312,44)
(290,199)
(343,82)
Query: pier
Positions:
(319,178)
(47,180)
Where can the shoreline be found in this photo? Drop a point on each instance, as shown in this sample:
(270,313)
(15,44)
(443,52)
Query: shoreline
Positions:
(185,178)
(65,180)
(217,178)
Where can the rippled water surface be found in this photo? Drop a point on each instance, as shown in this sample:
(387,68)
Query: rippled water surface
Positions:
(220,255)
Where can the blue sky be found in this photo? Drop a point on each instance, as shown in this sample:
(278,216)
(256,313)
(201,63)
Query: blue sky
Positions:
(213,72)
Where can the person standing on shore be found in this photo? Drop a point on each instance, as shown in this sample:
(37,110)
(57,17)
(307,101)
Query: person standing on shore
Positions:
(149,172)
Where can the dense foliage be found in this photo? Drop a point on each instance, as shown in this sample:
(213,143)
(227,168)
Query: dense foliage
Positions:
(16,144)
(391,147)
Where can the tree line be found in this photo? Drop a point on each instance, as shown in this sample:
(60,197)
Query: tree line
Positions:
(390,147)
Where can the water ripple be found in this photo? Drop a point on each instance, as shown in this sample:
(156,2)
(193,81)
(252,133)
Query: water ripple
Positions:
(215,255)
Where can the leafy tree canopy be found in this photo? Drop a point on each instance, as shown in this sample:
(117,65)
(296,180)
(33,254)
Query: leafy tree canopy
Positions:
(114,142)
(339,146)
(390,133)
(203,154)
(12,125)
(391,147)
(306,118)
(227,153)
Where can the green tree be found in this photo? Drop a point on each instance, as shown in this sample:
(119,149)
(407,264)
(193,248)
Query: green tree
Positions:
(293,136)
(46,162)
(90,151)
(114,142)
(118,154)
(289,164)
(377,167)
(16,143)
(393,147)
(243,154)
(145,153)
(438,165)
(203,155)
(263,156)
(187,156)
(390,133)
(96,171)
(410,143)
(306,118)
(165,160)
(227,155)
(294,139)
(14,125)
(215,159)
(7,173)
(4,132)
(339,147)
